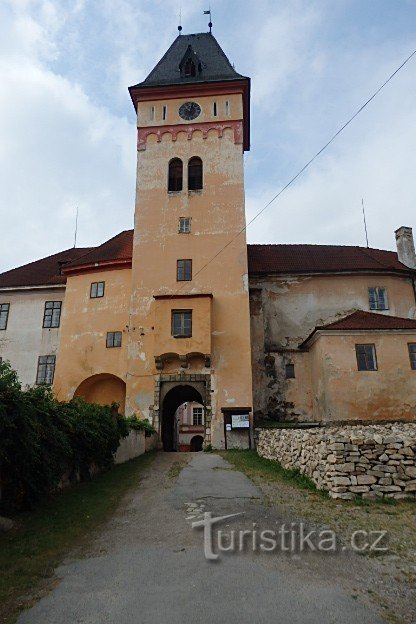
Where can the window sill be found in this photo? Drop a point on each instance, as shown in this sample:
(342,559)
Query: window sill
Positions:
(181,337)
(173,193)
(195,192)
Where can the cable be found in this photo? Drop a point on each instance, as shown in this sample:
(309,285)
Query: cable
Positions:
(295,177)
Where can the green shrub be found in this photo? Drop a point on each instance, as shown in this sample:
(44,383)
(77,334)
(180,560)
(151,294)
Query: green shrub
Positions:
(42,439)
(140,425)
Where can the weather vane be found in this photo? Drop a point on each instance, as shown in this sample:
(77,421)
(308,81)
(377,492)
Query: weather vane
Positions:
(210,19)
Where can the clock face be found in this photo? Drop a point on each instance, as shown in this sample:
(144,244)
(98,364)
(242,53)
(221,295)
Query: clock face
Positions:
(189,110)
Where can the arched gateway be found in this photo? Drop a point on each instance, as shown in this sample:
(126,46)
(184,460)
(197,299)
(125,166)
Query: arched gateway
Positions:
(179,394)
(172,391)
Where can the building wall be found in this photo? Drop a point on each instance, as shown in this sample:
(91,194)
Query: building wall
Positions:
(217,214)
(341,392)
(284,311)
(85,323)
(25,339)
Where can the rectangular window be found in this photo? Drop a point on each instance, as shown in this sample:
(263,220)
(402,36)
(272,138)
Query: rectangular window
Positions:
(181,323)
(164,113)
(227,108)
(197,416)
(290,371)
(113,339)
(366,357)
(412,355)
(152,113)
(377,299)
(215,109)
(4,315)
(184,225)
(184,270)
(52,314)
(97,290)
(46,370)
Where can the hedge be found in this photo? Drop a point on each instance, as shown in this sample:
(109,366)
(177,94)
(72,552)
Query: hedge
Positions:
(42,439)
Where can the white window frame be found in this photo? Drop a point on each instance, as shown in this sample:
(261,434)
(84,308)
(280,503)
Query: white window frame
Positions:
(199,413)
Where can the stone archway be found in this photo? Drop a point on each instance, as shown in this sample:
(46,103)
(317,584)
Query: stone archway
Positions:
(103,389)
(176,396)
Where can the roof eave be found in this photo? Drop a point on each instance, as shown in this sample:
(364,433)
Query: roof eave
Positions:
(322,331)
(91,267)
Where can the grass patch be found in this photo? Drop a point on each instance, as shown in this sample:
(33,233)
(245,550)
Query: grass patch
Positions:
(175,470)
(30,553)
(254,465)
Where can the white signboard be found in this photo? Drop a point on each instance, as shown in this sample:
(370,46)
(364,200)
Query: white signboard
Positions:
(228,427)
(240,421)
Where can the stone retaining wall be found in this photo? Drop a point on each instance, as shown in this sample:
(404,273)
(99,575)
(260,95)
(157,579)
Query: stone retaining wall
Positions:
(366,460)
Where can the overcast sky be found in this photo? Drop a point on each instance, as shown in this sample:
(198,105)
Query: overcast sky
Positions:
(68,128)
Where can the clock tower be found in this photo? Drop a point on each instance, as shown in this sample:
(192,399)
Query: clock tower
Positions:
(189,327)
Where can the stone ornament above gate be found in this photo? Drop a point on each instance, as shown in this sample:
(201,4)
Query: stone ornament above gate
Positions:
(184,360)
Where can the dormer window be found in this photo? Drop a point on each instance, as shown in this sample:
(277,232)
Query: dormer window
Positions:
(190,69)
(190,66)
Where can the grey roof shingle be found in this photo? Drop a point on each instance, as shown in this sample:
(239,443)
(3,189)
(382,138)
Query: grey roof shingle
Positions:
(215,65)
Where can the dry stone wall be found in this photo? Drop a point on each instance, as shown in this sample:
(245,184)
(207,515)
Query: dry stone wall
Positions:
(369,460)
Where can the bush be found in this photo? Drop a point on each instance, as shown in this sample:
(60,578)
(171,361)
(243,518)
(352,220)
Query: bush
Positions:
(42,439)
(140,425)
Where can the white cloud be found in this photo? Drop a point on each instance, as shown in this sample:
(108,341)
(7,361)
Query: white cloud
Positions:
(59,151)
(68,128)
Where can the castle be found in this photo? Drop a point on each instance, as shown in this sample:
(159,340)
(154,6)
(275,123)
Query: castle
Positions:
(182,310)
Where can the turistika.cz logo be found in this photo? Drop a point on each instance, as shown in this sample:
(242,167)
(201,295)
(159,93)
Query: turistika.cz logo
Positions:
(287,538)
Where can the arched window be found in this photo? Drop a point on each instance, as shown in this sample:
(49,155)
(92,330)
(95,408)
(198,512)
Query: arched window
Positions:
(175,175)
(195,174)
(190,69)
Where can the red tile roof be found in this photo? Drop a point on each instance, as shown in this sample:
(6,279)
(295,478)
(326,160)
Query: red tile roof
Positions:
(265,259)
(118,249)
(44,272)
(369,321)
(262,259)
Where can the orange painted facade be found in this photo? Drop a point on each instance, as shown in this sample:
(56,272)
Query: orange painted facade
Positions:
(220,343)
(86,366)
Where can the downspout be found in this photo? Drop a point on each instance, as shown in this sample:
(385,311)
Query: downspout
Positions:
(414,286)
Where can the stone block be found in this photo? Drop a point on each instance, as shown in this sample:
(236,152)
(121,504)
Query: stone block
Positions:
(359,489)
(366,479)
(341,481)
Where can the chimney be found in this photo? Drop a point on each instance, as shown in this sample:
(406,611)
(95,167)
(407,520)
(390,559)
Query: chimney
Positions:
(406,246)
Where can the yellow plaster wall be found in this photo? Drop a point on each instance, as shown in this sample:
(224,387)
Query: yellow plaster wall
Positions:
(341,392)
(294,304)
(84,327)
(235,110)
(201,326)
(286,309)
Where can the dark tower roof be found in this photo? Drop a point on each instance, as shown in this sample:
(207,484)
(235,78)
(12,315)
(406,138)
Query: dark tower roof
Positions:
(211,63)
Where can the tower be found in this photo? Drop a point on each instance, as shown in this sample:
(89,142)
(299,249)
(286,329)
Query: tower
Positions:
(189,328)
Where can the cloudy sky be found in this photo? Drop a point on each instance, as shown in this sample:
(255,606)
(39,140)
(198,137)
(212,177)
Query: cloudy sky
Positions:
(68,128)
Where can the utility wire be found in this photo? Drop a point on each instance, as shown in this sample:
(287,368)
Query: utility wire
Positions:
(295,177)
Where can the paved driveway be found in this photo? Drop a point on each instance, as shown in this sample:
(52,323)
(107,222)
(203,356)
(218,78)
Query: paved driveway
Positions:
(147,565)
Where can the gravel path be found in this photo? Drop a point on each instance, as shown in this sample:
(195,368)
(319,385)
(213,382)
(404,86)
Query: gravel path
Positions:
(147,564)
